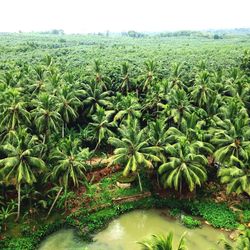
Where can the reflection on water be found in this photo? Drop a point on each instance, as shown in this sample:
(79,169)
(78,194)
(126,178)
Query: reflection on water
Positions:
(62,240)
(124,233)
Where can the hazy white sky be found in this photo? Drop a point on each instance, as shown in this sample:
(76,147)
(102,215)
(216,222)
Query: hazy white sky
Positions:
(122,15)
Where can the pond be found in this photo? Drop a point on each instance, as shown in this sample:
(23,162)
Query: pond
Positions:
(124,232)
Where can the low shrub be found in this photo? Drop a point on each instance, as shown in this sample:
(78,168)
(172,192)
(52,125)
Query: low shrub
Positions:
(246,216)
(174,212)
(190,222)
(218,215)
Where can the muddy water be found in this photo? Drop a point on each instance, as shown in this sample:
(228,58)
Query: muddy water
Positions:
(124,233)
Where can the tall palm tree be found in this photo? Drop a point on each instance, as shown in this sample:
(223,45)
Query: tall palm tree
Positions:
(125,83)
(46,115)
(133,150)
(14,114)
(68,102)
(150,74)
(21,163)
(184,166)
(100,80)
(160,242)
(70,162)
(101,126)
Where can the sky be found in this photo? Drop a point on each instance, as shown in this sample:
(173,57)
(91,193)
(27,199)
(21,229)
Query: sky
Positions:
(84,16)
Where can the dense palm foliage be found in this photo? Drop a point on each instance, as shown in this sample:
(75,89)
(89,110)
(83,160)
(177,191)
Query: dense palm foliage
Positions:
(163,115)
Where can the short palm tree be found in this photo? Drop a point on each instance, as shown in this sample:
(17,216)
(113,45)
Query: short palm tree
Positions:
(184,166)
(5,213)
(21,163)
(133,150)
(128,108)
(232,137)
(94,96)
(178,106)
(236,176)
(201,91)
(161,242)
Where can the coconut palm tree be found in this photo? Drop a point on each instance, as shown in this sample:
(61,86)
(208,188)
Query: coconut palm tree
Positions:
(133,150)
(128,108)
(236,175)
(14,114)
(125,83)
(175,80)
(46,115)
(150,74)
(100,126)
(201,90)
(100,80)
(21,163)
(68,102)
(161,242)
(69,162)
(232,137)
(178,106)
(95,96)
(184,166)
(5,213)
(38,84)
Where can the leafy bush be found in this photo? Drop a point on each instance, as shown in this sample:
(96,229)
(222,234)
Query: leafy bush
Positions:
(174,212)
(190,222)
(218,214)
(246,216)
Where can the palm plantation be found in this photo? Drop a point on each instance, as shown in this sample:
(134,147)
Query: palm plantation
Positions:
(76,120)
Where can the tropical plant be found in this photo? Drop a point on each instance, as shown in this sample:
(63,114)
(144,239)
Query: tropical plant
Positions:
(68,102)
(161,242)
(232,138)
(95,96)
(236,175)
(133,150)
(21,164)
(101,127)
(184,166)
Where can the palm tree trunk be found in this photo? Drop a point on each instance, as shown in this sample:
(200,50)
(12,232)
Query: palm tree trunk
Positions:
(63,129)
(139,179)
(158,181)
(54,202)
(180,189)
(4,192)
(19,201)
